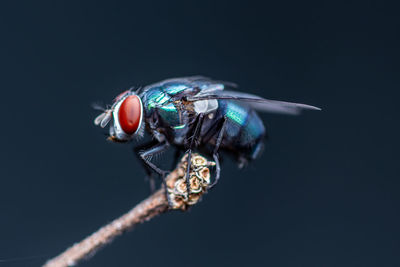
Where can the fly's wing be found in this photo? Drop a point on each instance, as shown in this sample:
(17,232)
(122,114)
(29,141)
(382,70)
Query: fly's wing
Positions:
(197,80)
(207,85)
(203,83)
(210,89)
(188,87)
(256,102)
(184,80)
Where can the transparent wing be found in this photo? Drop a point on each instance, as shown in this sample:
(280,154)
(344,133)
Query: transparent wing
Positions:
(256,102)
(188,80)
(204,83)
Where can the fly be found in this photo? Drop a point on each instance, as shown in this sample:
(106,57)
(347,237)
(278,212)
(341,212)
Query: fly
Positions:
(192,113)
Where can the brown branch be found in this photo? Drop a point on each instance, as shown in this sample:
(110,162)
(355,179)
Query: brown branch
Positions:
(147,209)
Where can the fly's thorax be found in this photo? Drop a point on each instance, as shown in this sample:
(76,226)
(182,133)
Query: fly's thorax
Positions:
(163,117)
(160,109)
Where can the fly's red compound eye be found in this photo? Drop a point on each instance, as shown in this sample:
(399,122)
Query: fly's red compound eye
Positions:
(129,114)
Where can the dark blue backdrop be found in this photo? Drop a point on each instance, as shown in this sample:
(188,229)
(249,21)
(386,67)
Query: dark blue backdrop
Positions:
(326,190)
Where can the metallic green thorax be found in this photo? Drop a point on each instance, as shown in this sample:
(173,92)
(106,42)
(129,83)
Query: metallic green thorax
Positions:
(157,98)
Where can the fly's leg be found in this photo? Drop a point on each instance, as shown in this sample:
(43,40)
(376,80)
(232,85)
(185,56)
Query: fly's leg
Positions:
(154,150)
(217,130)
(216,155)
(193,142)
(157,149)
(149,173)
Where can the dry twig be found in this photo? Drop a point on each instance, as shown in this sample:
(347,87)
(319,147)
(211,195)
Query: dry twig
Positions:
(152,206)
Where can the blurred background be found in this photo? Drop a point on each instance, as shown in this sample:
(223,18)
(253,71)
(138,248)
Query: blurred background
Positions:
(324,193)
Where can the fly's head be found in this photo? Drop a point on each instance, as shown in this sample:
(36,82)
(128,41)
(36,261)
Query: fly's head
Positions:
(125,117)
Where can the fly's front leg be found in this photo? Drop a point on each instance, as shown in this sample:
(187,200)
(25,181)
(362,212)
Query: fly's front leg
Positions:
(157,149)
(193,142)
(149,173)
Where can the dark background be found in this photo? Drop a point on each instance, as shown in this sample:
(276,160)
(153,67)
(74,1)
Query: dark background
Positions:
(324,193)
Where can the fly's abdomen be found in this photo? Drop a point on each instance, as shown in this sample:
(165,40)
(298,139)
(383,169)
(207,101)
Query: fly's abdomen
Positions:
(245,131)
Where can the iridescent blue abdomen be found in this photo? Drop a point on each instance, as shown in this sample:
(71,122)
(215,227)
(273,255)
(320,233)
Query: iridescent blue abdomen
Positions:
(245,130)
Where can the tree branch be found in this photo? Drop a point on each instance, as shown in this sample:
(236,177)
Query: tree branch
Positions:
(147,209)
